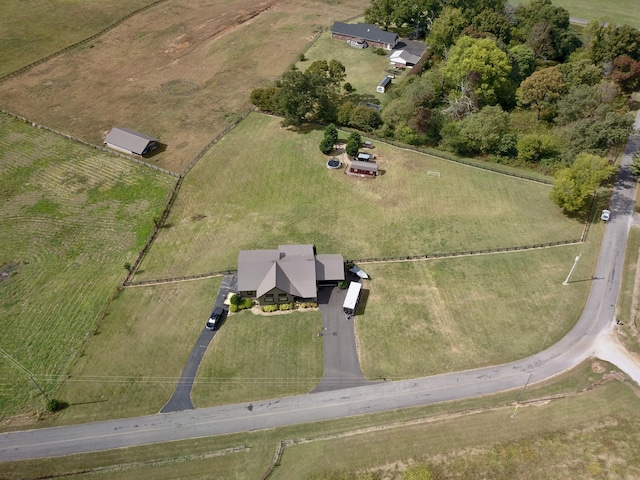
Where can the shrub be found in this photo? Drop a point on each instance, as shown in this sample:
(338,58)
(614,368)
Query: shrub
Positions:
(348,87)
(245,304)
(286,306)
(54,405)
(379,51)
(269,308)
(301,57)
(127,266)
(343,284)
(233,308)
(235,299)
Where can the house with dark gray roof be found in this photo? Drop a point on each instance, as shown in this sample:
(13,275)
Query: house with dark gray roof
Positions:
(372,35)
(290,273)
(130,142)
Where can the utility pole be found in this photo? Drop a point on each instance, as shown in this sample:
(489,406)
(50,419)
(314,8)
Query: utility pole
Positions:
(566,281)
(520,397)
(24,370)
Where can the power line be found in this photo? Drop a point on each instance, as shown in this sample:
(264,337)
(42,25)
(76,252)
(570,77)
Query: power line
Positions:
(24,371)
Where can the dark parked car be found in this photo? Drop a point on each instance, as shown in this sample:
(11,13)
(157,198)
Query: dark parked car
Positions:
(215,319)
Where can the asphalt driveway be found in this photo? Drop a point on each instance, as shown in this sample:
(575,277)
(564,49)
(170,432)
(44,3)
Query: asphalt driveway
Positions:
(341,363)
(181,398)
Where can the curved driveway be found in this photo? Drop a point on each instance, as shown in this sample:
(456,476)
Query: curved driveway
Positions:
(576,346)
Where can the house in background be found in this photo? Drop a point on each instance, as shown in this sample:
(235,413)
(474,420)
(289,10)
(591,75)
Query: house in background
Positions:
(130,142)
(290,273)
(403,59)
(357,33)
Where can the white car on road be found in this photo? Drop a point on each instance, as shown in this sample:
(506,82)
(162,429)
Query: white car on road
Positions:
(606,214)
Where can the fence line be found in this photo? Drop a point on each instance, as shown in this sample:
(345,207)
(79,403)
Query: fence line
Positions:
(451,158)
(81,42)
(218,137)
(479,251)
(429,256)
(88,144)
(154,234)
(160,281)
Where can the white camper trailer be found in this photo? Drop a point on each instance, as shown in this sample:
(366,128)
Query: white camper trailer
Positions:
(353,296)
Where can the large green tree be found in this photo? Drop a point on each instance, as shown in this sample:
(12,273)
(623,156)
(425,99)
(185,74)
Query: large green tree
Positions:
(606,42)
(545,28)
(446,29)
(542,89)
(482,63)
(480,132)
(314,94)
(573,185)
(523,62)
(381,12)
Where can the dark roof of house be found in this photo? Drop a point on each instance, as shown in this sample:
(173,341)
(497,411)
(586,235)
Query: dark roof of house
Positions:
(366,31)
(373,167)
(329,266)
(129,139)
(291,268)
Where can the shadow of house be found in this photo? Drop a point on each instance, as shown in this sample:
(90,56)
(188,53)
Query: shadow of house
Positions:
(288,274)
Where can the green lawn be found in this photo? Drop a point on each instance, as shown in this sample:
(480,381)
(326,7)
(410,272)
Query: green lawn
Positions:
(71,217)
(428,317)
(364,68)
(33,29)
(263,185)
(256,357)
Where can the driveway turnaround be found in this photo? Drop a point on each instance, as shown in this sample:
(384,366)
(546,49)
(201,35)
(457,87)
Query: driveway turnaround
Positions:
(341,364)
(578,345)
(181,398)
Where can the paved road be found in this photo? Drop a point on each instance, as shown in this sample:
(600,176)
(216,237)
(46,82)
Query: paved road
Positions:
(578,345)
(341,363)
(181,398)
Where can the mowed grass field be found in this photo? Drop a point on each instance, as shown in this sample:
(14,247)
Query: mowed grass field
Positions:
(132,366)
(223,49)
(263,185)
(588,435)
(32,29)
(429,317)
(71,217)
(256,357)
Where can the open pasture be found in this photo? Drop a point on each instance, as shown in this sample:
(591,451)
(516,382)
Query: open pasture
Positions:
(32,29)
(127,77)
(263,185)
(71,217)
(429,317)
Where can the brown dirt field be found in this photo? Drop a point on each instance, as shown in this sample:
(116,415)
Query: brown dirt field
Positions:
(226,48)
